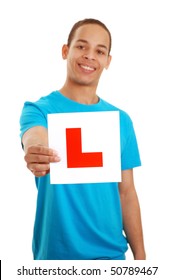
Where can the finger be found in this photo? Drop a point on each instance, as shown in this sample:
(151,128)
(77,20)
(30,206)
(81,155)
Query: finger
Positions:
(36,167)
(36,158)
(40,173)
(42,150)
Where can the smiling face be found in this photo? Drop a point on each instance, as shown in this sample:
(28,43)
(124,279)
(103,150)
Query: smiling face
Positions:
(88,55)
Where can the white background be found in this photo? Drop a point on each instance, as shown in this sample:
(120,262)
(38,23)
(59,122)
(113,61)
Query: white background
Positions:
(139,80)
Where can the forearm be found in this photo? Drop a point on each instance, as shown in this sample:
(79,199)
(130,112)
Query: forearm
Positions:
(132,224)
(35,136)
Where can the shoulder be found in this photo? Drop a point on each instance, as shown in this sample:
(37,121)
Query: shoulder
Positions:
(44,104)
(44,100)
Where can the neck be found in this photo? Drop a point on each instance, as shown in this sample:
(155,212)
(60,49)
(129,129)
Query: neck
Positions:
(81,94)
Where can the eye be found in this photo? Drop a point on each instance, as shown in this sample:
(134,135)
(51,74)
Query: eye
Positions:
(100,52)
(80,47)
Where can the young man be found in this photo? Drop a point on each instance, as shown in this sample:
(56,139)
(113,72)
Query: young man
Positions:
(82,221)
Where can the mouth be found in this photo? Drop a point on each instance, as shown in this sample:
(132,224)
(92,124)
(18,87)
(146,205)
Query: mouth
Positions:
(87,68)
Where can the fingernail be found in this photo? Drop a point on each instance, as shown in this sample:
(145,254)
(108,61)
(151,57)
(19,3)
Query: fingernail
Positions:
(57,158)
(55,153)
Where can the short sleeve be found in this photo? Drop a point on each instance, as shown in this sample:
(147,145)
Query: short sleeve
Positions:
(130,156)
(31,116)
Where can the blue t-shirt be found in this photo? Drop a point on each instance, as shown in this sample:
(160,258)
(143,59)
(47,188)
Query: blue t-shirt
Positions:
(79,221)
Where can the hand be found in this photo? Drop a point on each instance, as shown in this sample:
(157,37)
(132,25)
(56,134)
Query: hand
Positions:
(38,159)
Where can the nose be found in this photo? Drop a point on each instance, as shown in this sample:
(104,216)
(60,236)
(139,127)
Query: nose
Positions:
(89,55)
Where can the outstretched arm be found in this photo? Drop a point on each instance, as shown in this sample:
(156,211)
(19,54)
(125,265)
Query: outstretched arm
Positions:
(37,153)
(131,215)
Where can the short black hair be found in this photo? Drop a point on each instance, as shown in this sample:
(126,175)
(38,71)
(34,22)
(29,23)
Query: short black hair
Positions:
(88,21)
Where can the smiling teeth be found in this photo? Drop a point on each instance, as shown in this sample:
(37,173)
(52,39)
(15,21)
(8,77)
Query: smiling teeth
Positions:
(87,67)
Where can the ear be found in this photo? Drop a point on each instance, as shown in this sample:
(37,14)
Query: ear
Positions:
(65,51)
(108,62)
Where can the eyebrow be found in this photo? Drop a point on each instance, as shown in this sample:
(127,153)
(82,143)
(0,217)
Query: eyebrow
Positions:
(86,42)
